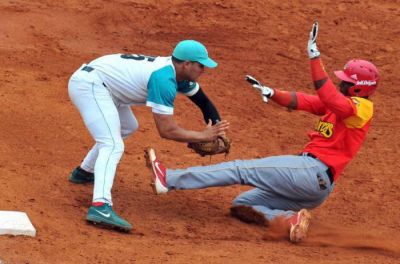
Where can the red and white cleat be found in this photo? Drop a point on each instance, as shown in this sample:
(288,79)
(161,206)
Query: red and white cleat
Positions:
(299,224)
(158,181)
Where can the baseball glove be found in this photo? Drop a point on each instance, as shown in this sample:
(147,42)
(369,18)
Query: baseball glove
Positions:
(220,145)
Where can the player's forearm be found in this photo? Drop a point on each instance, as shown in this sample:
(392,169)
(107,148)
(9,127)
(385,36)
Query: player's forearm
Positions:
(168,129)
(284,98)
(318,73)
(206,106)
(181,135)
(210,112)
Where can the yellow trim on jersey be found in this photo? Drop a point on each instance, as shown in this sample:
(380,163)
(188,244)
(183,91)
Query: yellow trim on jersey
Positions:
(364,108)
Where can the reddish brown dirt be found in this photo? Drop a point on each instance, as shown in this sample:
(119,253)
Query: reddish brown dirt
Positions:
(42,137)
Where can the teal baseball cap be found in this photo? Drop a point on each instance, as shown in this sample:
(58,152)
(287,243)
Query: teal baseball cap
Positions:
(192,50)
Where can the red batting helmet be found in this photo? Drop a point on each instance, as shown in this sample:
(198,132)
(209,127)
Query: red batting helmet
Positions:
(363,74)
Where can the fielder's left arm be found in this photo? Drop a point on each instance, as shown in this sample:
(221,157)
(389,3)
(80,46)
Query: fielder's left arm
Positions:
(206,106)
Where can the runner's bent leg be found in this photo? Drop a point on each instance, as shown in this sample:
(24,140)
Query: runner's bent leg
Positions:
(271,204)
(285,182)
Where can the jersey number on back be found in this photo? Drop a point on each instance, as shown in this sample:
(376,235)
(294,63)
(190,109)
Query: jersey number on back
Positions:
(138,57)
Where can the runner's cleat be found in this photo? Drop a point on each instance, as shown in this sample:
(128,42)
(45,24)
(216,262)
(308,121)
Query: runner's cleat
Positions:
(299,224)
(158,180)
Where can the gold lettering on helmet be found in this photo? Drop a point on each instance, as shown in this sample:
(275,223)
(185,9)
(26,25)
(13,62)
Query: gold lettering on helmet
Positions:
(325,128)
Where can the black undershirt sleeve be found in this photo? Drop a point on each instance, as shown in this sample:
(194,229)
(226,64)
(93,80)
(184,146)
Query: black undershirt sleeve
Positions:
(206,106)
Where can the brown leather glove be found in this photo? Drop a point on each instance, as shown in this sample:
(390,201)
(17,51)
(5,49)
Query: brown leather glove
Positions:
(220,145)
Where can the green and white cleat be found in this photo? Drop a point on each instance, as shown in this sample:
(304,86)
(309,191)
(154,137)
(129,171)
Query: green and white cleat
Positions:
(80,176)
(105,216)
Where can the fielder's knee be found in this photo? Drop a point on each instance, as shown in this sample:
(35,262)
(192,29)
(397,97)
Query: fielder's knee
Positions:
(114,149)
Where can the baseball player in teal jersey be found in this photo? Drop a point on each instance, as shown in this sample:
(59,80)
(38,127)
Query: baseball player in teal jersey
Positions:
(105,89)
(286,186)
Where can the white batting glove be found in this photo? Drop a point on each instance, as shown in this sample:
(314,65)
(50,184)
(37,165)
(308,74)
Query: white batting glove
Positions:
(266,92)
(312,42)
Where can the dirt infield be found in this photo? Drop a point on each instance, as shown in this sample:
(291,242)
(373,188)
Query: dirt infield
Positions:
(42,137)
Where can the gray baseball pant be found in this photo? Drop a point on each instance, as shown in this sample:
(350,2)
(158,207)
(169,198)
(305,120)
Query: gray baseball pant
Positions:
(283,184)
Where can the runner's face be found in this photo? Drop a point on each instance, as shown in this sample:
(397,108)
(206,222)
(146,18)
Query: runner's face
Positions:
(345,86)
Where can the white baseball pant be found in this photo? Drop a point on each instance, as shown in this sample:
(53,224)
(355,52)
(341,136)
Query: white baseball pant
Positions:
(108,123)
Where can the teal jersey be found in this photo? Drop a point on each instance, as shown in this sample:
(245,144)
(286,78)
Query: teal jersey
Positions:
(163,87)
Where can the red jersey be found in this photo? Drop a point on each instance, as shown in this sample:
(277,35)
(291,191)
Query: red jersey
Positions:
(341,130)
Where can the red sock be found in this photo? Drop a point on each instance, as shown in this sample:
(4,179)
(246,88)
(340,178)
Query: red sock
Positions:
(97,204)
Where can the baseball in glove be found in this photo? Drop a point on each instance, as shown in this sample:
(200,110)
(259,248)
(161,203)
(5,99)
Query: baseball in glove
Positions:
(220,145)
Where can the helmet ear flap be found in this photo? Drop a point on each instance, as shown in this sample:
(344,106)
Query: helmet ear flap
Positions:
(361,91)
(353,91)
